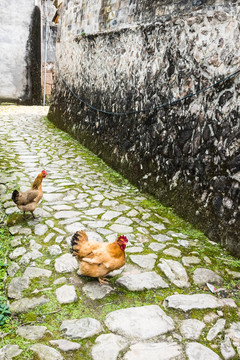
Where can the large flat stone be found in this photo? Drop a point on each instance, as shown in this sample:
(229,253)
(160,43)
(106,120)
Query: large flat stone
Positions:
(25,304)
(196,301)
(54,250)
(109,215)
(81,328)
(61,207)
(175,272)
(94,212)
(66,294)
(141,323)
(95,224)
(8,352)
(32,332)
(18,229)
(189,260)
(108,346)
(40,229)
(196,351)
(49,237)
(216,329)
(202,276)
(227,349)
(65,345)
(16,286)
(45,352)
(13,269)
(66,263)
(172,251)
(31,255)
(123,220)
(162,238)
(72,228)
(142,281)
(41,212)
(53,197)
(157,226)
(155,351)
(156,246)
(134,249)
(121,229)
(33,272)
(191,328)
(144,261)
(66,214)
(93,235)
(95,291)
(234,333)
(19,251)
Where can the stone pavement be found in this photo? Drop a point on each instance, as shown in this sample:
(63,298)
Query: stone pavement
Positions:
(177,297)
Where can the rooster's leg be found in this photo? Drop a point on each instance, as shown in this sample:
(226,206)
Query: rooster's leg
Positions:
(33,214)
(103,280)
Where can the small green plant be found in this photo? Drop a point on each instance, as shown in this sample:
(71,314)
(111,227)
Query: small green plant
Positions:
(4,311)
(3,265)
(5,238)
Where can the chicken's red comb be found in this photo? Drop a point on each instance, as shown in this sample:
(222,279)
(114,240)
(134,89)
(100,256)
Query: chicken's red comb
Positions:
(123,237)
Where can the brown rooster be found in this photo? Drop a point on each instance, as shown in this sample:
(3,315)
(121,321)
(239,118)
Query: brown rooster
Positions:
(98,259)
(28,200)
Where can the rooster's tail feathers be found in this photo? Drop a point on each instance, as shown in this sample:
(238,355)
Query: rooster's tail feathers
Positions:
(15,196)
(77,238)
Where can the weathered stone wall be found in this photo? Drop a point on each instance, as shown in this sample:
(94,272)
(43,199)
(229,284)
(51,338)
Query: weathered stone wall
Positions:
(131,55)
(50,73)
(20,38)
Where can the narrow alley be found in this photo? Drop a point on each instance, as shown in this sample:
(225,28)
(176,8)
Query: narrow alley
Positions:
(176,298)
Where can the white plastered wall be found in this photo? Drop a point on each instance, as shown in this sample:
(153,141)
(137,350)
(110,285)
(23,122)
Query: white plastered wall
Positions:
(15,20)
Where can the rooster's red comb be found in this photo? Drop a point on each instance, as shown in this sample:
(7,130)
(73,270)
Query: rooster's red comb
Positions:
(123,237)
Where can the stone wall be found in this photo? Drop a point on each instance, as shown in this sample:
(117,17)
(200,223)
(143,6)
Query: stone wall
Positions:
(50,73)
(20,65)
(134,55)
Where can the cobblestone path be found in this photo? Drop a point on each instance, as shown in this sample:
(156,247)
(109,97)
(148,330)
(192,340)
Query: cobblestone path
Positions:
(176,298)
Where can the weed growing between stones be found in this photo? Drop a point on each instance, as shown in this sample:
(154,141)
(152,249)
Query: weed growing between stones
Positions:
(4,311)
(7,322)
(4,246)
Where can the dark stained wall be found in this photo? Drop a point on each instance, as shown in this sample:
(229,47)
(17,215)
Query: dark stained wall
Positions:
(133,55)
